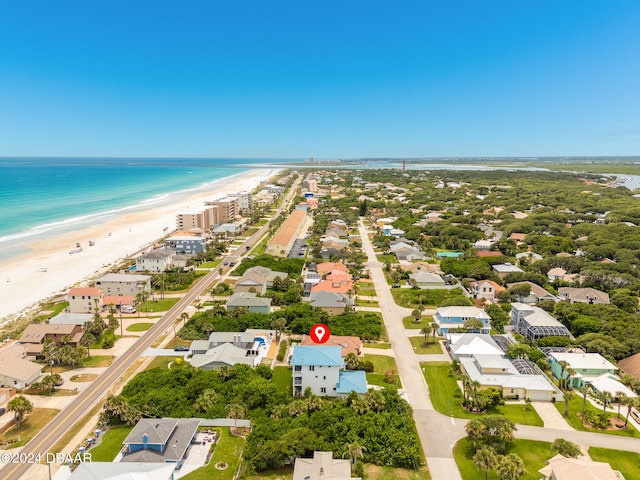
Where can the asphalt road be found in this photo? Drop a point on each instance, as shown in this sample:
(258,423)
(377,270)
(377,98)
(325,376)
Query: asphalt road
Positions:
(43,442)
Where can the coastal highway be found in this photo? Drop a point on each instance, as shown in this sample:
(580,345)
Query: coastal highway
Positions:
(43,442)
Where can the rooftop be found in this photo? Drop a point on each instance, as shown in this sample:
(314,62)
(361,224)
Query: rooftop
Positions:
(317,355)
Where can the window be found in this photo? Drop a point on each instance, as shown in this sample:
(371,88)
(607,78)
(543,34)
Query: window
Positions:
(324,378)
(323,390)
(312,368)
(297,368)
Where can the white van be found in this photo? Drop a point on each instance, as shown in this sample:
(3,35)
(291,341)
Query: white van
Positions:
(127,309)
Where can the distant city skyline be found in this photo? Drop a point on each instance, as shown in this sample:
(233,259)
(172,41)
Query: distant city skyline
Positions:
(329,80)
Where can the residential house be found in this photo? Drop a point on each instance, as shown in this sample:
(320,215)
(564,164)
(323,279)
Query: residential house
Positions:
(583,295)
(85,299)
(332,303)
(427,279)
(257,280)
(250,301)
(68,318)
(470,344)
(186,244)
(405,251)
(536,293)
(483,244)
(347,344)
(504,269)
(560,274)
(281,243)
(158,260)
(328,267)
(336,281)
(518,378)
(449,318)
(487,289)
(518,237)
(122,471)
(34,336)
(15,370)
(529,257)
(584,365)
(488,253)
(228,349)
(422,266)
(580,468)
(588,368)
(119,284)
(160,440)
(320,368)
(322,467)
(631,365)
(535,323)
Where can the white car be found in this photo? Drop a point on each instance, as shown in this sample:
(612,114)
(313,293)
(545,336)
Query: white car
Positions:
(127,309)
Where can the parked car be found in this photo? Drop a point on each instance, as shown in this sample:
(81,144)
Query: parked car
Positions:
(3,411)
(127,309)
(180,348)
(395,285)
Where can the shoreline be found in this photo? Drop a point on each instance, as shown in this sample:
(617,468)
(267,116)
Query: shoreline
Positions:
(24,285)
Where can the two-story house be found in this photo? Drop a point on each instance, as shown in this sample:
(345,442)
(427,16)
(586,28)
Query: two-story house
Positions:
(320,368)
(486,289)
(534,323)
(157,260)
(85,299)
(454,317)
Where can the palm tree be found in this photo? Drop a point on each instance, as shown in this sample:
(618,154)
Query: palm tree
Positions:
(312,403)
(20,406)
(621,397)
(236,411)
(563,368)
(354,452)
(417,315)
(605,397)
(510,467)
(87,340)
(585,389)
(205,400)
(485,459)
(434,329)
(279,324)
(631,403)
(351,361)
(472,324)
(375,399)
(425,331)
(568,395)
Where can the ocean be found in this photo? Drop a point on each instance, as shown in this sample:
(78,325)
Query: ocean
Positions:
(46,196)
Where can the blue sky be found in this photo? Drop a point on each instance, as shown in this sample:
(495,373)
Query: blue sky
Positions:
(330,79)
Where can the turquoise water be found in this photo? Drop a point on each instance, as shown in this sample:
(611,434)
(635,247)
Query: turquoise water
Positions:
(44,196)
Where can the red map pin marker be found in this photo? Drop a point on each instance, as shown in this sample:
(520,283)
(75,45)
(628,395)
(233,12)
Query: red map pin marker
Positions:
(319,333)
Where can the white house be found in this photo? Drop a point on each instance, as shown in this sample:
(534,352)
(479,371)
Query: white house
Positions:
(535,323)
(320,368)
(505,269)
(486,289)
(123,284)
(85,299)
(157,260)
(454,317)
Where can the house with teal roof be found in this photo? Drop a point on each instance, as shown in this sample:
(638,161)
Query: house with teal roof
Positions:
(321,369)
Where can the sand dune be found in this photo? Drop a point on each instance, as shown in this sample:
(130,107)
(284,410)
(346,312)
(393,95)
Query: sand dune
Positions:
(50,270)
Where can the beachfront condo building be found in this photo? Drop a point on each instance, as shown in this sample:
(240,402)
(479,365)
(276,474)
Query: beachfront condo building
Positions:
(281,243)
(245,202)
(227,209)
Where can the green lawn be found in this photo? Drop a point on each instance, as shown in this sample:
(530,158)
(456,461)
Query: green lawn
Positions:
(410,297)
(575,408)
(31,425)
(157,305)
(211,264)
(280,474)
(367,292)
(627,462)
(229,450)
(447,397)
(387,258)
(97,361)
(410,322)
(139,327)
(106,334)
(382,345)
(534,454)
(283,379)
(375,472)
(110,444)
(382,364)
(366,303)
(161,362)
(430,348)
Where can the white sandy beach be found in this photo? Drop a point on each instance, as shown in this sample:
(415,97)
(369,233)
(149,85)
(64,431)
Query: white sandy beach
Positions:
(24,284)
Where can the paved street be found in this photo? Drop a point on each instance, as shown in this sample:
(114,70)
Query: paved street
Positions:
(437,432)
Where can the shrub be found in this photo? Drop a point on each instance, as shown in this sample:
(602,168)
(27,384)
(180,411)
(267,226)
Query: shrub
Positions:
(282,351)
(108,342)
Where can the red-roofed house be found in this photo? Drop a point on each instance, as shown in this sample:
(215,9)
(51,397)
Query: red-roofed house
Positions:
(85,299)
(330,267)
(348,344)
(488,253)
